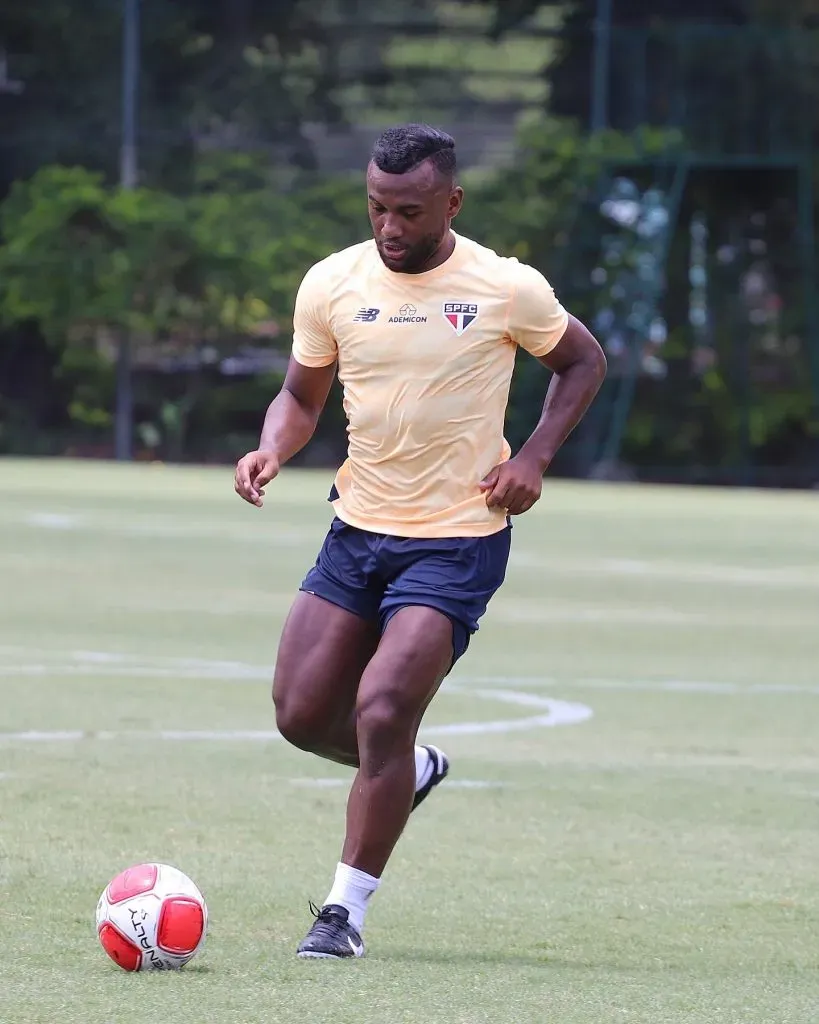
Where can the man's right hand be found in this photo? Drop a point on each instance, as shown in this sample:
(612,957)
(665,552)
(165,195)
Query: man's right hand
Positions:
(253,472)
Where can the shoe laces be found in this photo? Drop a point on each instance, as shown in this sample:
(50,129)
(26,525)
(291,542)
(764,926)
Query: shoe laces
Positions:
(326,918)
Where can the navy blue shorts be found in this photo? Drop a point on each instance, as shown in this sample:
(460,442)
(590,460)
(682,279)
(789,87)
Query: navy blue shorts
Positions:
(374,575)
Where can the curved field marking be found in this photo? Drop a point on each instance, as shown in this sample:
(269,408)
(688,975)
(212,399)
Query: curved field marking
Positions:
(553,712)
(557,712)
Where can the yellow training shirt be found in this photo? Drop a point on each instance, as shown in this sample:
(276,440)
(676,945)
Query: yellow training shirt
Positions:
(425,361)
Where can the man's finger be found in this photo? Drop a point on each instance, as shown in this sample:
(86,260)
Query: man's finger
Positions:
(498,496)
(523,502)
(490,479)
(244,486)
(266,474)
(243,477)
(519,504)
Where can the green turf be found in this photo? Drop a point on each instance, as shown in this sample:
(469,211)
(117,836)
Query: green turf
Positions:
(654,864)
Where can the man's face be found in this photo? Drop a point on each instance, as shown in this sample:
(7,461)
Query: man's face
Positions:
(410,214)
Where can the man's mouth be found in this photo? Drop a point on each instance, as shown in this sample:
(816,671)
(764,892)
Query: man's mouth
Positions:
(393,249)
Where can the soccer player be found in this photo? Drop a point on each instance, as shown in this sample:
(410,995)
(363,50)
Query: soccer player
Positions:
(422,326)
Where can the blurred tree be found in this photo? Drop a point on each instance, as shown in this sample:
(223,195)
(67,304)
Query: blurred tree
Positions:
(233,95)
(67,63)
(214,73)
(87,264)
(545,209)
(510,13)
(187,278)
(79,259)
(569,74)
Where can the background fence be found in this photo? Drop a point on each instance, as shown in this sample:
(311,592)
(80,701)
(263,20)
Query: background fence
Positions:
(168,172)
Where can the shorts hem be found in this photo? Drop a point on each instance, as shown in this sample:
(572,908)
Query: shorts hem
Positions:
(338,600)
(461,632)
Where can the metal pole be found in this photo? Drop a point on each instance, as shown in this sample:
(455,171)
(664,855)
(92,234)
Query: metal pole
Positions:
(128,175)
(810,298)
(9,85)
(600,68)
(130,87)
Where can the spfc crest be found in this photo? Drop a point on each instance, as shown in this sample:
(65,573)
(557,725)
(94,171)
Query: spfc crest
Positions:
(460,315)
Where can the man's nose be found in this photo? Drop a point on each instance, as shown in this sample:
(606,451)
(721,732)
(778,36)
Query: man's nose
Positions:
(391,230)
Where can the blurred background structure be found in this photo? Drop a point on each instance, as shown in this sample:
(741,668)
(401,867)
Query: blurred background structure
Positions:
(168,170)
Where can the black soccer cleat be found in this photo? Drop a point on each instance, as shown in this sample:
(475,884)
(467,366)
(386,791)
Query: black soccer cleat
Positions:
(440,769)
(332,937)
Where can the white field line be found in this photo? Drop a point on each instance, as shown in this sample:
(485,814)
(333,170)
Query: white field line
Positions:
(693,686)
(528,612)
(53,521)
(14,663)
(283,534)
(640,616)
(106,663)
(552,713)
(797,577)
(170,527)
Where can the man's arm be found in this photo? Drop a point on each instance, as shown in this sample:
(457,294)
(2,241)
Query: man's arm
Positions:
(579,367)
(289,423)
(293,415)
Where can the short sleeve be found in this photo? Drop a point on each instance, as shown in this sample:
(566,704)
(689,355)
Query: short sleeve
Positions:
(313,341)
(537,321)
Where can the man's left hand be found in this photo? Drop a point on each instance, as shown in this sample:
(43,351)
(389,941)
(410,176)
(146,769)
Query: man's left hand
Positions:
(514,485)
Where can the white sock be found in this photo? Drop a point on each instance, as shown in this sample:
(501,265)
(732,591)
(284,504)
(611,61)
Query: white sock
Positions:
(423,767)
(352,889)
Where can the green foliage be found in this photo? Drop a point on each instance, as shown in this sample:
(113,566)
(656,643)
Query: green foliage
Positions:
(754,403)
(543,209)
(196,274)
(193,276)
(55,249)
(80,258)
(530,209)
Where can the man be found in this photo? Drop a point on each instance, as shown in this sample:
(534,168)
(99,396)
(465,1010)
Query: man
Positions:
(423,326)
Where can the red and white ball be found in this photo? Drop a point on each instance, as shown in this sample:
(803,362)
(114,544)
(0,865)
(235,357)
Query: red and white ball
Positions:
(151,917)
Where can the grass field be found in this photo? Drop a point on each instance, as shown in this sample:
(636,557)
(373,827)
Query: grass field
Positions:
(653,859)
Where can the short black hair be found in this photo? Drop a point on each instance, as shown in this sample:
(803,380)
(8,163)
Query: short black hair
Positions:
(404,147)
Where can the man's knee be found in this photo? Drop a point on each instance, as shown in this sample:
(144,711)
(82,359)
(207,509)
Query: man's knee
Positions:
(386,723)
(301,724)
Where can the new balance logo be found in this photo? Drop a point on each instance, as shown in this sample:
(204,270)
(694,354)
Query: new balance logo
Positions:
(366,316)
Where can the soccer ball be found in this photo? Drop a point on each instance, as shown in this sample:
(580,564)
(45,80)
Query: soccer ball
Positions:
(151,917)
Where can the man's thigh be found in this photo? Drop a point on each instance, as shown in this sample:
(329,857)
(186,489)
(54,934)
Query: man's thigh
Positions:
(332,630)
(322,654)
(412,659)
(456,577)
